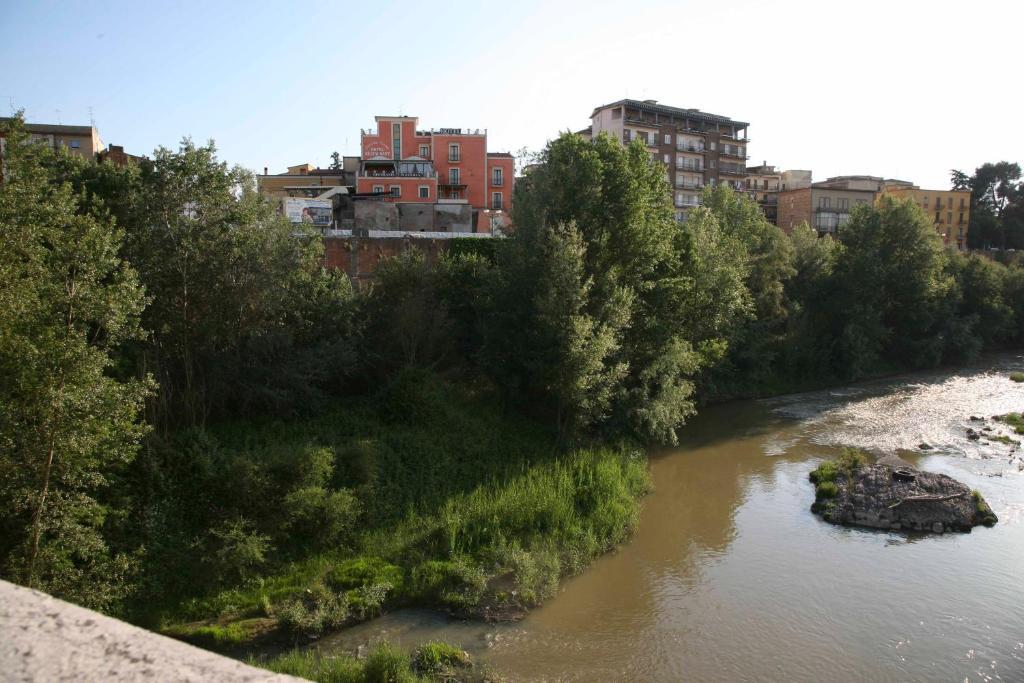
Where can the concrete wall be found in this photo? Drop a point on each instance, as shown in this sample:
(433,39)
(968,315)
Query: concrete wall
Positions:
(374,215)
(46,639)
(360,257)
(416,217)
(453,217)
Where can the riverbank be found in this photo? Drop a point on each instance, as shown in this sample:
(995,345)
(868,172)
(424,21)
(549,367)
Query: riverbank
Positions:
(424,495)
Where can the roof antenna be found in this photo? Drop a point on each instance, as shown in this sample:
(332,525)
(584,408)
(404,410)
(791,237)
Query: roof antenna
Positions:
(59,122)
(92,119)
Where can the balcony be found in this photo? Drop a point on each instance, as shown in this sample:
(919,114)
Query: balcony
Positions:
(687,203)
(730,169)
(726,136)
(735,155)
(398,174)
(454,157)
(689,185)
(497,182)
(686,147)
(689,167)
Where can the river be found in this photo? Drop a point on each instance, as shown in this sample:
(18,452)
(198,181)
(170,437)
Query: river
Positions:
(729,577)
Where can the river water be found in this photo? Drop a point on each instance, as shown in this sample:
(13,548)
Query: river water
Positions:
(729,577)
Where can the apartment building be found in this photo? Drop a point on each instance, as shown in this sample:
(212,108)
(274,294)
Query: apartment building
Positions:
(697,148)
(950,210)
(306,180)
(446,165)
(825,208)
(83,141)
(762,185)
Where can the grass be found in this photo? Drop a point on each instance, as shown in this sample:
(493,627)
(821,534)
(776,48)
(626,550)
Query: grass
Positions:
(1017,376)
(460,507)
(432,661)
(981,506)
(1002,438)
(827,475)
(1015,420)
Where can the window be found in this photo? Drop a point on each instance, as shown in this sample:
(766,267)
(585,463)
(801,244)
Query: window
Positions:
(844,204)
(926,201)
(643,136)
(936,216)
(453,176)
(617,113)
(497,178)
(668,139)
(425,151)
(453,152)
(396,140)
(949,217)
(961,221)
(495,200)
(627,134)
(424,192)
(378,188)
(75,144)
(396,190)
(714,145)
(667,157)
(961,205)
(824,202)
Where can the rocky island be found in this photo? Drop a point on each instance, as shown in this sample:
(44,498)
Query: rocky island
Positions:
(892,494)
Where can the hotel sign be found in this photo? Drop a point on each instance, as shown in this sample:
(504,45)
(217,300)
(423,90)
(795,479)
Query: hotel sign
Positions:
(376,149)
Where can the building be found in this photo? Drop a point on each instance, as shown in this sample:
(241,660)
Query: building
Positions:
(305,180)
(824,207)
(696,147)
(83,141)
(115,154)
(441,166)
(950,210)
(795,180)
(762,185)
(863,182)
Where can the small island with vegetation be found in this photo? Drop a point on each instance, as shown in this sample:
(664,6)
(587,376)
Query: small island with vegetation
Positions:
(892,494)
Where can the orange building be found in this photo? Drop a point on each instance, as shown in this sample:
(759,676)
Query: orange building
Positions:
(443,166)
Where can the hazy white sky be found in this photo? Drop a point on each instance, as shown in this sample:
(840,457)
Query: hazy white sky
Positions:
(900,88)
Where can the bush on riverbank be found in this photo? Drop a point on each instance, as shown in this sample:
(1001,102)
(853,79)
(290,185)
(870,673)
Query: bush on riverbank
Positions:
(1017,376)
(472,511)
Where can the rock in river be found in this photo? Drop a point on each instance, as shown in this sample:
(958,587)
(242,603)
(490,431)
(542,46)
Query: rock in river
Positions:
(891,494)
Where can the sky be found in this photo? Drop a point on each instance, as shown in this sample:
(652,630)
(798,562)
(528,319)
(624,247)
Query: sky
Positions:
(901,89)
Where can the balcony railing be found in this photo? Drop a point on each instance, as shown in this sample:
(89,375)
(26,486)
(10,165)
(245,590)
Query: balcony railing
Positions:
(684,147)
(687,203)
(395,174)
(497,181)
(737,155)
(689,167)
(689,185)
(732,170)
(454,157)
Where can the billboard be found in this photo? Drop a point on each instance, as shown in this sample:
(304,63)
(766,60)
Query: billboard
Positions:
(318,212)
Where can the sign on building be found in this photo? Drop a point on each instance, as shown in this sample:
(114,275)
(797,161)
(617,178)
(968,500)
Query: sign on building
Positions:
(317,212)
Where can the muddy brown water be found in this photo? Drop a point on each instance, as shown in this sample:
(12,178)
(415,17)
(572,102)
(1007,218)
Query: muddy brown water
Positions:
(729,577)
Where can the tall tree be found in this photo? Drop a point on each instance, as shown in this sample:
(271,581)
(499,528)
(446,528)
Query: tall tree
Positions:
(67,303)
(639,269)
(996,190)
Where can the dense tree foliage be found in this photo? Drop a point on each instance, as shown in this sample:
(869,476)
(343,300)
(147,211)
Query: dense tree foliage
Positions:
(997,205)
(68,302)
(197,421)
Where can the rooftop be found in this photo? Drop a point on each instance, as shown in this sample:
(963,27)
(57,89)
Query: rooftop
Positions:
(54,128)
(655,108)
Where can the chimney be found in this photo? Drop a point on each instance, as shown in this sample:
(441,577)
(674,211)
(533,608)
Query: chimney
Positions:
(264,170)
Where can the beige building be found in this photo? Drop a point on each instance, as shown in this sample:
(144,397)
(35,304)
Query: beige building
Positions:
(81,140)
(824,208)
(950,210)
(305,180)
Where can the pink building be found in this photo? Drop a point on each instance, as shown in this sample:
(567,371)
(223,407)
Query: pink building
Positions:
(446,166)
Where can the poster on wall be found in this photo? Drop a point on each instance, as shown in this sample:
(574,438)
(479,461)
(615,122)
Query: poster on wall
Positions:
(317,212)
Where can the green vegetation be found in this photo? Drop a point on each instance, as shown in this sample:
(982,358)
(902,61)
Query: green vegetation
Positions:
(1002,438)
(203,430)
(997,205)
(828,473)
(1015,420)
(433,661)
(985,514)
(1017,376)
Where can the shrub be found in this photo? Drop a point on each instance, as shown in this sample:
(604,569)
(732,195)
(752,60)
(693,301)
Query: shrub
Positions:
(388,664)
(985,514)
(365,571)
(439,658)
(826,489)
(1015,420)
(239,550)
(1017,376)
(319,610)
(457,583)
(319,516)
